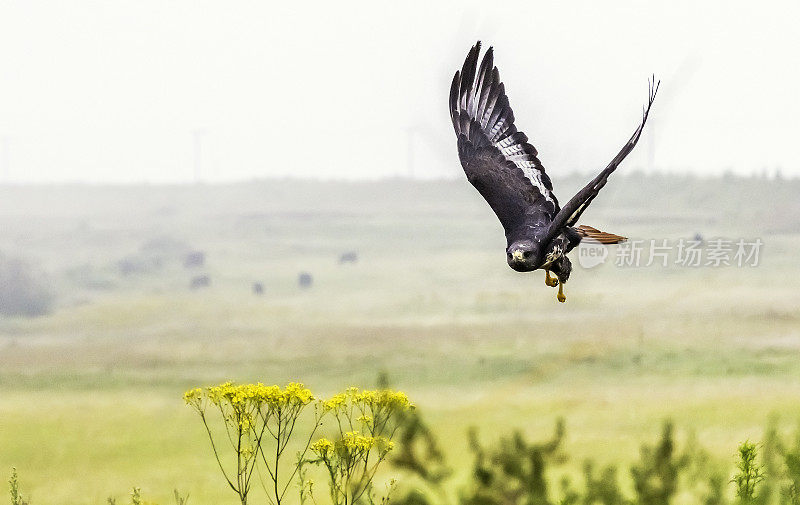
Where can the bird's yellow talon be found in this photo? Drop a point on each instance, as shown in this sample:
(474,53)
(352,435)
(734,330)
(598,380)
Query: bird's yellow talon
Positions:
(561,297)
(550,281)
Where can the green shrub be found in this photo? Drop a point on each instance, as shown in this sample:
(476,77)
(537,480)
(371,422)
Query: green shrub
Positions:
(513,472)
(749,473)
(421,458)
(602,489)
(655,477)
(13,486)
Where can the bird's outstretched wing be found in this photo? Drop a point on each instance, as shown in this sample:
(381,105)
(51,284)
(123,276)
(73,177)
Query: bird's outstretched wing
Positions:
(570,213)
(496,157)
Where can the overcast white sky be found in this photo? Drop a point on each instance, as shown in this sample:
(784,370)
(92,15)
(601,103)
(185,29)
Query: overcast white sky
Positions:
(120,91)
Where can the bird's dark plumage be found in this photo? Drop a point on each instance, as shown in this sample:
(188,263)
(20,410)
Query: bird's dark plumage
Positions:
(496,157)
(506,171)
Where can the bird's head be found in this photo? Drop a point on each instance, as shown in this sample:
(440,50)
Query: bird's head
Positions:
(523,255)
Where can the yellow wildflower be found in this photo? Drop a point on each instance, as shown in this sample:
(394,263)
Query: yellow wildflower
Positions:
(355,441)
(297,394)
(193,396)
(335,402)
(323,447)
(384,399)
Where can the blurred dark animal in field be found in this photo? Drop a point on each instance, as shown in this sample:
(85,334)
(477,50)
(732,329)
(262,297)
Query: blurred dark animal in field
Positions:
(305,280)
(698,237)
(200,281)
(127,266)
(504,168)
(258,288)
(24,291)
(348,257)
(194,259)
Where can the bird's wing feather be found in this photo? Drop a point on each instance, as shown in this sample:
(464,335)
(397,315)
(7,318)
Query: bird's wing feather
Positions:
(570,213)
(497,158)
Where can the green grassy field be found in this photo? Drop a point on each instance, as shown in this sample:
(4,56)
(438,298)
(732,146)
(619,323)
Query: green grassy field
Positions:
(90,394)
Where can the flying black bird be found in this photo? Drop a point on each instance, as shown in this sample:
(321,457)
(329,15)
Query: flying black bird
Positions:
(504,168)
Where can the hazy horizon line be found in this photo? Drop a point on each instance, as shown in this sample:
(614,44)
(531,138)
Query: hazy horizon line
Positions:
(774,174)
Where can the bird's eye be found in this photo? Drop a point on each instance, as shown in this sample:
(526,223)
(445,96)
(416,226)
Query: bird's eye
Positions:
(508,254)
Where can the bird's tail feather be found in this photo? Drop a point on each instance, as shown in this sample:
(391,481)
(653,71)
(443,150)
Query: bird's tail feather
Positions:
(599,236)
